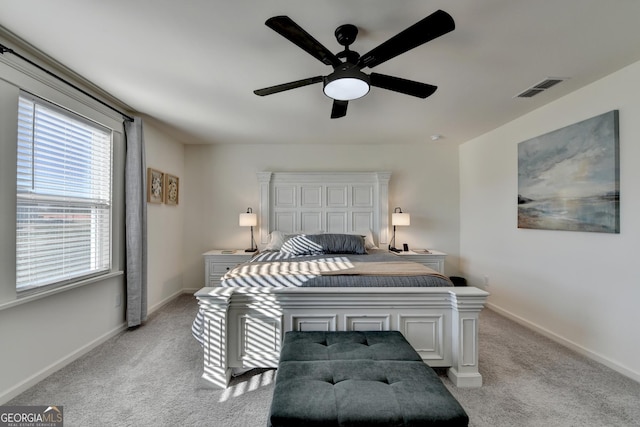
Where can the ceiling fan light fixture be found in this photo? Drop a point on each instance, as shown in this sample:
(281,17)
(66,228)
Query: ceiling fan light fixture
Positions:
(347,81)
(345,85)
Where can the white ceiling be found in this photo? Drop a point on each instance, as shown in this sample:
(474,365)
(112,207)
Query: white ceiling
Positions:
(193,64)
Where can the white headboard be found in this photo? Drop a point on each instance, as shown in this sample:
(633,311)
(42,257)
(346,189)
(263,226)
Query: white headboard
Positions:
(334,202)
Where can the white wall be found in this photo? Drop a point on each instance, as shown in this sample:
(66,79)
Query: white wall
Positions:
(165,223)
(581,289)
(221,182)
(39,336)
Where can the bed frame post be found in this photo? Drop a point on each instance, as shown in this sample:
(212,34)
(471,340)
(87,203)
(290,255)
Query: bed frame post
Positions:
(383,206)
(214,302)
(264,178)
(465,319)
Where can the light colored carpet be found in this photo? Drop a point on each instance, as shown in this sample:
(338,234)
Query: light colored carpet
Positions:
(151,377)
(529,380)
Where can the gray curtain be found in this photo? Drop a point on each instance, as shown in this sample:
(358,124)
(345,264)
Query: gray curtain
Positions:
(135,224)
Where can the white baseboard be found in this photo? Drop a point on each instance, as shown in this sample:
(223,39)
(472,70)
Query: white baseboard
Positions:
(59,364)
(164,302)
(567,343)
(14,391)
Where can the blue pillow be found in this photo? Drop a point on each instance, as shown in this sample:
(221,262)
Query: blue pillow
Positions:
(341,243)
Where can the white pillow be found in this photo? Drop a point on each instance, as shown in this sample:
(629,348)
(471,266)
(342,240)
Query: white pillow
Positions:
(310,232)
(276,239)
(369,243)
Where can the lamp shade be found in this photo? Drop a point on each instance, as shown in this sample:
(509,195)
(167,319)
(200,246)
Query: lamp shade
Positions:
(248,220)
(400,218)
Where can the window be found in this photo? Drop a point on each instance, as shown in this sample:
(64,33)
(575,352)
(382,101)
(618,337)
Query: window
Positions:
(63,230)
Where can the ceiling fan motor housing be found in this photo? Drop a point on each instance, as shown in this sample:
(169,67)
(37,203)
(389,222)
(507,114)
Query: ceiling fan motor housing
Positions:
(346,34)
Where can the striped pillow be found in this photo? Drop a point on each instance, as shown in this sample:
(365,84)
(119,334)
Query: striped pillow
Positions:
(301,245)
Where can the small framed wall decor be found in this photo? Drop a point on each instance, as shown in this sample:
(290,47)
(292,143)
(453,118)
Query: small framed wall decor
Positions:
(171,189)
(155,186)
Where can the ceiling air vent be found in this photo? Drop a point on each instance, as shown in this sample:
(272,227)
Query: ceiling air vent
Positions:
(540,87)
(529,93)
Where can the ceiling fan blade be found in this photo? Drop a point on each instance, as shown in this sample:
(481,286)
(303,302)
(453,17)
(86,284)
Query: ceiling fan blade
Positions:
(431,27)
(339,109)
(285,26)
(396,84)
(287,86)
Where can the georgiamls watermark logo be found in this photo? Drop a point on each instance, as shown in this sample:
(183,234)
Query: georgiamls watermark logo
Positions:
(31,416)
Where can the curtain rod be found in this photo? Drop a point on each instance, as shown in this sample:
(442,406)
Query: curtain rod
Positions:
(4,49)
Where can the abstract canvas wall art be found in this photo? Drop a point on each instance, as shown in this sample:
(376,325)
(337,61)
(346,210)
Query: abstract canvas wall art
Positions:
(569,179)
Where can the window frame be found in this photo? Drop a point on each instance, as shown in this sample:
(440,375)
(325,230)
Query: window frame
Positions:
(112,206)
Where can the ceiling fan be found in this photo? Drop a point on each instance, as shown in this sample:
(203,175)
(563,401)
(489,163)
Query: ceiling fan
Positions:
(347,81)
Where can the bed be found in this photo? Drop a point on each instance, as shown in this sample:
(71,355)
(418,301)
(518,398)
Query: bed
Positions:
(323,237)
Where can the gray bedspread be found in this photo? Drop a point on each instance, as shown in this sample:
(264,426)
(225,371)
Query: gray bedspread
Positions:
(278,269)
(268,261)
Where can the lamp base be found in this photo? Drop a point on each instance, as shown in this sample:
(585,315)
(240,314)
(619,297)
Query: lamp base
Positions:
(251,250)
(392,249)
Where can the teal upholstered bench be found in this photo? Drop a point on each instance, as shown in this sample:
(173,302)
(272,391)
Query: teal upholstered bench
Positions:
(358,379)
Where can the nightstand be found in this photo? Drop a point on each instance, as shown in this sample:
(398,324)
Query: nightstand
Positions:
(218,261)
(433,259)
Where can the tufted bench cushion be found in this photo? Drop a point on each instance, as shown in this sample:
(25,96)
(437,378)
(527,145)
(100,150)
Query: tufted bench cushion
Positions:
(358,379)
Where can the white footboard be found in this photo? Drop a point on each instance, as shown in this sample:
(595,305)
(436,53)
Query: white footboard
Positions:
(244,327)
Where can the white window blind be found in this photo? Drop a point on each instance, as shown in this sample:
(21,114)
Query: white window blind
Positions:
(63,196)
